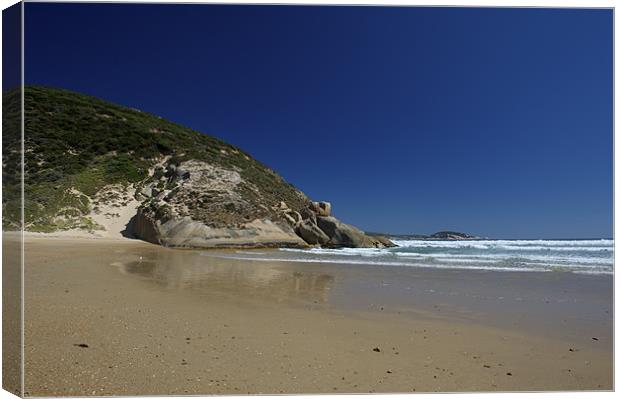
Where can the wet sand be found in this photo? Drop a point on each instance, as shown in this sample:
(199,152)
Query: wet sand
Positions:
(129,318)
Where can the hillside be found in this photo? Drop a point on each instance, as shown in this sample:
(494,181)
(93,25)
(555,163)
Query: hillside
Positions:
(95,166)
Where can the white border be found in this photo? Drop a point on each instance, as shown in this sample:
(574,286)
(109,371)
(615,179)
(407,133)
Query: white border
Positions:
(479,3)
(23,248)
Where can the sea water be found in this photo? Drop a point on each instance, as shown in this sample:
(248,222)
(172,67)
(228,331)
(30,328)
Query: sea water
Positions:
(574,256)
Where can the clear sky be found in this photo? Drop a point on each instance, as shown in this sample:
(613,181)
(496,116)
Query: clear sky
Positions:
(496,122)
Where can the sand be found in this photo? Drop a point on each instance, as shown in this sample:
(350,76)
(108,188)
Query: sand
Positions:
(123,317)
(112,218)
(115,220)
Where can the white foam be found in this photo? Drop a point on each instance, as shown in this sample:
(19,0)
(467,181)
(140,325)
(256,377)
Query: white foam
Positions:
(513,257)
(341,251)
(250,252)
(485,243)
(578,256)
(554,248)
(595,272)
(374,263)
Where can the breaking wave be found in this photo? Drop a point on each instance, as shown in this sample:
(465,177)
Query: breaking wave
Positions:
(574,256)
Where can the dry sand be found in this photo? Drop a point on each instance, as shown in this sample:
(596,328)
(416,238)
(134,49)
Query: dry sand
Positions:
(130,318)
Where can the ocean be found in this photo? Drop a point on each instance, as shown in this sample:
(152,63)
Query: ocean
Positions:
(572,256)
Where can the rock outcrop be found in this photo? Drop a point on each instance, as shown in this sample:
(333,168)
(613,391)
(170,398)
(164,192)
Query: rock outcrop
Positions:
(187,233)
(311,233)
(321,208)
(202,205)
(318,227)
(386,242)
(344,235)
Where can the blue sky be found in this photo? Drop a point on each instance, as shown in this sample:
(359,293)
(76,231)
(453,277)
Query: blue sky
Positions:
(496,122)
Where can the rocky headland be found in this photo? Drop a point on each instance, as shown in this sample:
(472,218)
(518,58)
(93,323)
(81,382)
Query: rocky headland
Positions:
(438,236)
(109,171)
(196,204)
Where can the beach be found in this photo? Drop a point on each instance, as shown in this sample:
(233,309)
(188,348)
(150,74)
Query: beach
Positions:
(124,317)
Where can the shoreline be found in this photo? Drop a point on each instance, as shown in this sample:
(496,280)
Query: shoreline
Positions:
(160,321)
(68,235)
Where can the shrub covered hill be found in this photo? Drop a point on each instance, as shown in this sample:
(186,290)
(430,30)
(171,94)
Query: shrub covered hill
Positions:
(101,168)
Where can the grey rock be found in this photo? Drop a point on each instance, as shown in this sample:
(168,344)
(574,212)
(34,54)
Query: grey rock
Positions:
(146,228)
(182,174)
(296,217)
(183,232)
(343,235)
(175,172)
(147,190)
(292,217)
(289,218)
(382,240)
(308,214)
(321,208)
(311,233)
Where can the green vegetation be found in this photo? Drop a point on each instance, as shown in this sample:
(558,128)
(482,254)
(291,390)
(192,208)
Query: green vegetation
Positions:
(11,159)
(77,144)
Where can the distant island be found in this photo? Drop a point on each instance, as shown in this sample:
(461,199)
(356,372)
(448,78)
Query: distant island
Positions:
(103,170)
(440,235)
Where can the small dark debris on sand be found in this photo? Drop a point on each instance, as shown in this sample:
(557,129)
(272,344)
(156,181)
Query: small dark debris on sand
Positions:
(509,373)
(376,349)
(594,339)
(81,345)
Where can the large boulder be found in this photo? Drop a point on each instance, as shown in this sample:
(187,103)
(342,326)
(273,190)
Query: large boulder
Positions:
(342,234)
(386,242)
(145,227)
(321,208)
(292,217)
(308,214)
(187,233)
(311,233)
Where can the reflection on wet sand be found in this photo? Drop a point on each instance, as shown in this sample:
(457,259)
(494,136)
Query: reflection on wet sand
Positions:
(505,300)
(203,274)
